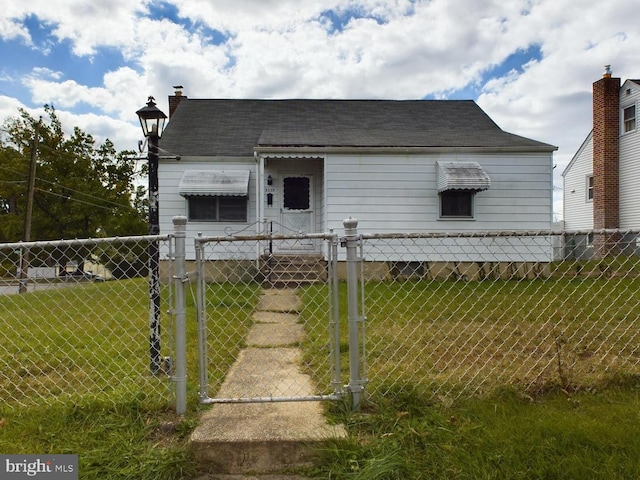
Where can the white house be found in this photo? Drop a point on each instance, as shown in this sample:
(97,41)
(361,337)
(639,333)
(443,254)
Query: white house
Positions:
(601,181)
(306,165)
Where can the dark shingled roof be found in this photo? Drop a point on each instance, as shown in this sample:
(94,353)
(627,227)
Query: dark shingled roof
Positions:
(236,127)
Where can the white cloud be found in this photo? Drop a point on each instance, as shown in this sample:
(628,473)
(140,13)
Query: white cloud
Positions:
(551,99)
(11,29)
(85,24)
(383,49)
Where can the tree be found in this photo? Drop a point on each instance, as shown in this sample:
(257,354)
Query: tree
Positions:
(13,184)
(81,191)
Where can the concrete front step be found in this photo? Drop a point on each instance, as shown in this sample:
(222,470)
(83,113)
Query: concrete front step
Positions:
(286,271)
(262,437)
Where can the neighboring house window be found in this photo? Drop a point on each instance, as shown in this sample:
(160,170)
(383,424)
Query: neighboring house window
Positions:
(217,209)
(629,118)
(456,204)
(589,187)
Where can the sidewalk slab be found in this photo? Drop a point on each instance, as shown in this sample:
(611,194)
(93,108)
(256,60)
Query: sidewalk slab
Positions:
(274,334)
(279,301)
(261,316)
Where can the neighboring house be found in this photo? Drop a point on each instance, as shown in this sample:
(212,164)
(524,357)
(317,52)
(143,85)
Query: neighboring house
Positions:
(601,181)
(306,165)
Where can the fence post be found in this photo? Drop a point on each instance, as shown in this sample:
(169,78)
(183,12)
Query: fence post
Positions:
(351,242)
(203,360)
(334,314)
(180,374)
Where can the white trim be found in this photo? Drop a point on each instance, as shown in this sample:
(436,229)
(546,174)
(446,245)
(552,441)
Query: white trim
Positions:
(623,122)
(290,155)
(586,188)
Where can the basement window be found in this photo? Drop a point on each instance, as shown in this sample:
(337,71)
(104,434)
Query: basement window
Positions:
(629,119)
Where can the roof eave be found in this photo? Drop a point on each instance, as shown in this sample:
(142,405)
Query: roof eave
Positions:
(269,150)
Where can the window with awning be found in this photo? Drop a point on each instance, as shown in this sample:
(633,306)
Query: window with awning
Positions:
(232,183)
(215,195)
(458,183)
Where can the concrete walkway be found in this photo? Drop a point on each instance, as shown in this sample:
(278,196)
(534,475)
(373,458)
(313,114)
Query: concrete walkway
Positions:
(244,438)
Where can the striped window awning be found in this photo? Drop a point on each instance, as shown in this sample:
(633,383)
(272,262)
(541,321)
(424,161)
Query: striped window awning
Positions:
(462,176)
(214,183)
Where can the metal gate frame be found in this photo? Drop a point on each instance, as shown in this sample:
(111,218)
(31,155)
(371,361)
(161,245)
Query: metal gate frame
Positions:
(331,252)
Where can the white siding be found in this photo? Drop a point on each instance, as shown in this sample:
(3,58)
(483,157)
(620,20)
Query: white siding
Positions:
(578,209)
(390,194)
(398,193)
(630,163)
(172,204)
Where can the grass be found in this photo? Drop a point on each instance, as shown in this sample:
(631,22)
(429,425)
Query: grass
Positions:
(450,337)
(440,354)
(505,435)
(74,376)
(128,439)
(415,423)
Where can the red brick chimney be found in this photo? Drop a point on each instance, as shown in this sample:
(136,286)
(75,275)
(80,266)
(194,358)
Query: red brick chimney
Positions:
(174,100)
(606,142)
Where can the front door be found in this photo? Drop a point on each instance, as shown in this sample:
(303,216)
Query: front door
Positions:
(297,215)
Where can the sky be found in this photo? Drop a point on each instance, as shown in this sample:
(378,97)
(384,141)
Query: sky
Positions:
(529,64)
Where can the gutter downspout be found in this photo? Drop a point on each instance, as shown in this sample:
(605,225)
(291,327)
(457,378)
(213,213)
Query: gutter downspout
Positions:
(259,200)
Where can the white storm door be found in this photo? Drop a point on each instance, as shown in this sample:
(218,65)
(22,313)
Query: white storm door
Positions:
(297,213)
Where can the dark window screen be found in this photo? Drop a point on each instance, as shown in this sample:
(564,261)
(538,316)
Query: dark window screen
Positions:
(296,193)
(456,203)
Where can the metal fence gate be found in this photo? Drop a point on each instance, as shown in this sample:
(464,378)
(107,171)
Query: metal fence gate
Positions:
(281,342)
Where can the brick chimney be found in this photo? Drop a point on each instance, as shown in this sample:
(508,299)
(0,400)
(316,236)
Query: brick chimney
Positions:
(606,138)
(174,100)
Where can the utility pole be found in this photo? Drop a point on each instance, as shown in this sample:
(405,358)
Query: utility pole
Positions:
(26,237)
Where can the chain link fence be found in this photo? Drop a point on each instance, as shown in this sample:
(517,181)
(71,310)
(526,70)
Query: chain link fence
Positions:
(75,320)
(452,314)
(440,315)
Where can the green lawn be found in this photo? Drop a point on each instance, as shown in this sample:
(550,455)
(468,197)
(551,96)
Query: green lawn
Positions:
(74,376)
(440,355)
(505,435)
(458,338)
(415,423)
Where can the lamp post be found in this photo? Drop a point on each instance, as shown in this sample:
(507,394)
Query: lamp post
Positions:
(152,121)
